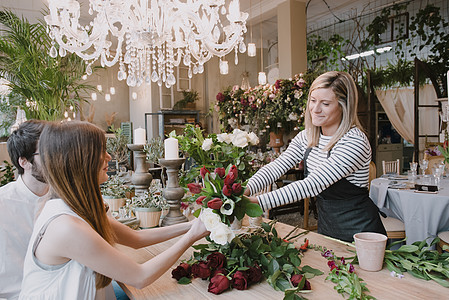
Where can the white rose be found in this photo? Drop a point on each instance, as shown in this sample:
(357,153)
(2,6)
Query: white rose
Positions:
(222,234)
(292,116)
(239,138)
(207,144)
(253,139)
(209,218)
(224,137)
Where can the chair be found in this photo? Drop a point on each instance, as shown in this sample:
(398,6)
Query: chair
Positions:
(394,227)
(444,240)
(433,161)
(389,167)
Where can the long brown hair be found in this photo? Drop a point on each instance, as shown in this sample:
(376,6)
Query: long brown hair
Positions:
(72,155)
(345,90)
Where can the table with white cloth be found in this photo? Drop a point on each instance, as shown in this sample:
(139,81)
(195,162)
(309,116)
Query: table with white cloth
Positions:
(423,214)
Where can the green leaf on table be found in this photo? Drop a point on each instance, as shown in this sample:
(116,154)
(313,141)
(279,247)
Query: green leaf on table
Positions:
(283,284)
(295,259)
(312,271)
(184,280)
(273,266)
(197,212)
(439,280)
(266,227)
(288,268)
(408,248)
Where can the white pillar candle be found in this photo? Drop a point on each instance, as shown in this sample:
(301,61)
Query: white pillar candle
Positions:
(171,148)
(139,136)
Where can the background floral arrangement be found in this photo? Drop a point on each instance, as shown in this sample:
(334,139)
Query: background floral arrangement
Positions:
(217,151)
(265,107)
(248,259)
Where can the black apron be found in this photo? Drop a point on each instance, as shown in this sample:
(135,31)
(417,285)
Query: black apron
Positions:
(345,209)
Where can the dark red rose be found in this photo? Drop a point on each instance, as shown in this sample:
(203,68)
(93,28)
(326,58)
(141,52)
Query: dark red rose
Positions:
(194,188)
(296,279)
(201,270)
(237,188)
(229,179)
(222,271)
(204,171)
(240,280)
(220,97)
(332,265)
(218,284)
(183,270)
(215,203)
(221,172)
(216,260)
(254,274)
(200,199)
(227,191)
(234,171)
(277,84)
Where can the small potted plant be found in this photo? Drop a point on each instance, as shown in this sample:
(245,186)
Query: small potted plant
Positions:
(148,206)
(117,147)
(154,151)
(114,192)
(188,100)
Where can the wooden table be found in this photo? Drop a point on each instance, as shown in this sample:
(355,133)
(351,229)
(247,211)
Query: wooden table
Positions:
(381,284)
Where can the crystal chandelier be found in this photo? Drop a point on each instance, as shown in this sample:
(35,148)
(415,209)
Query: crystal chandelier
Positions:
(150,37)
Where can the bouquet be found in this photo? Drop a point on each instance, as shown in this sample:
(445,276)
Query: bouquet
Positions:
(247,260)
(222,201)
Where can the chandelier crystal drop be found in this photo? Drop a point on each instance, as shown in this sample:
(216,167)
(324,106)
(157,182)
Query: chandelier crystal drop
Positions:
(148,38)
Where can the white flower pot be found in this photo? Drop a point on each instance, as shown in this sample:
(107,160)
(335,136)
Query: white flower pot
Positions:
(148,216)
(114,203)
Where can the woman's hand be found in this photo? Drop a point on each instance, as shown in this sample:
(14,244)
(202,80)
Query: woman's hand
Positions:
(198,230)
(253,199)
(247,192)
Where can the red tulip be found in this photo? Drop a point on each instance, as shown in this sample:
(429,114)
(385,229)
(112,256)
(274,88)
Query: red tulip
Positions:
(215,203)
(227,191)
(204,171)
(195,188)
(200,199)
(237,188)
(221,172)
(234,170)
(229,179)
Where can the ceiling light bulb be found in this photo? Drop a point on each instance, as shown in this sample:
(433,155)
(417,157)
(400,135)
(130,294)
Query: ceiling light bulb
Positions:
(94,96)
(99,88)
(107,97)
(112,90)
(251,49)
(134,96)
(224,67)
(262,78)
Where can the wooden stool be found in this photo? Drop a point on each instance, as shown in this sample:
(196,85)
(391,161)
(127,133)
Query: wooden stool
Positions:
(444,240)
(306,216)
(394,227)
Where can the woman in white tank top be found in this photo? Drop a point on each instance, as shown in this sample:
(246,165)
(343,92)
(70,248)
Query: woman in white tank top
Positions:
(71,253)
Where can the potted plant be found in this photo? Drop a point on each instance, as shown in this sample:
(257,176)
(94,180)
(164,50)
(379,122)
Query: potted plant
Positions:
(114,192)
(154,151)
(188,100)
(117,146)
(148,206)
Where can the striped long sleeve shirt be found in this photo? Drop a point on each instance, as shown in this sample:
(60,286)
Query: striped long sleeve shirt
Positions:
(349,158)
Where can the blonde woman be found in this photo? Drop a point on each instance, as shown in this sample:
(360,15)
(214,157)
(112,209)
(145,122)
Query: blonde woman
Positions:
(71,253)
(336,155)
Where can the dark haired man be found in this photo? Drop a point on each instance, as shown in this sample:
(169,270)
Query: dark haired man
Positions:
(19,203)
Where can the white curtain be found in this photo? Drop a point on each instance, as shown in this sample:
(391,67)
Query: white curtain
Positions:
(399,104)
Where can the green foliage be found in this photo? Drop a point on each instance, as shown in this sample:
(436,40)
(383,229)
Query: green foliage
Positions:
(342,274)
(419,261)
(7,113)
(115,187)
(117,146)
(46,86)
(154,150)
(324,55)
(7,173)
(277,257)
(189,96)
(151,199)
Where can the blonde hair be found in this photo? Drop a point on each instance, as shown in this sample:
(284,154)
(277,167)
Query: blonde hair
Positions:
(72,155)
(345,90)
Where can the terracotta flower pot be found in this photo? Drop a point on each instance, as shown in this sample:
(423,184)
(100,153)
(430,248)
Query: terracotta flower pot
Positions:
(370,248)
(276,140)
(114,203)
(149,216)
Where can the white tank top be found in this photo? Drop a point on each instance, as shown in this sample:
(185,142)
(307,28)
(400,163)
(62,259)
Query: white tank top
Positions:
(67,281)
